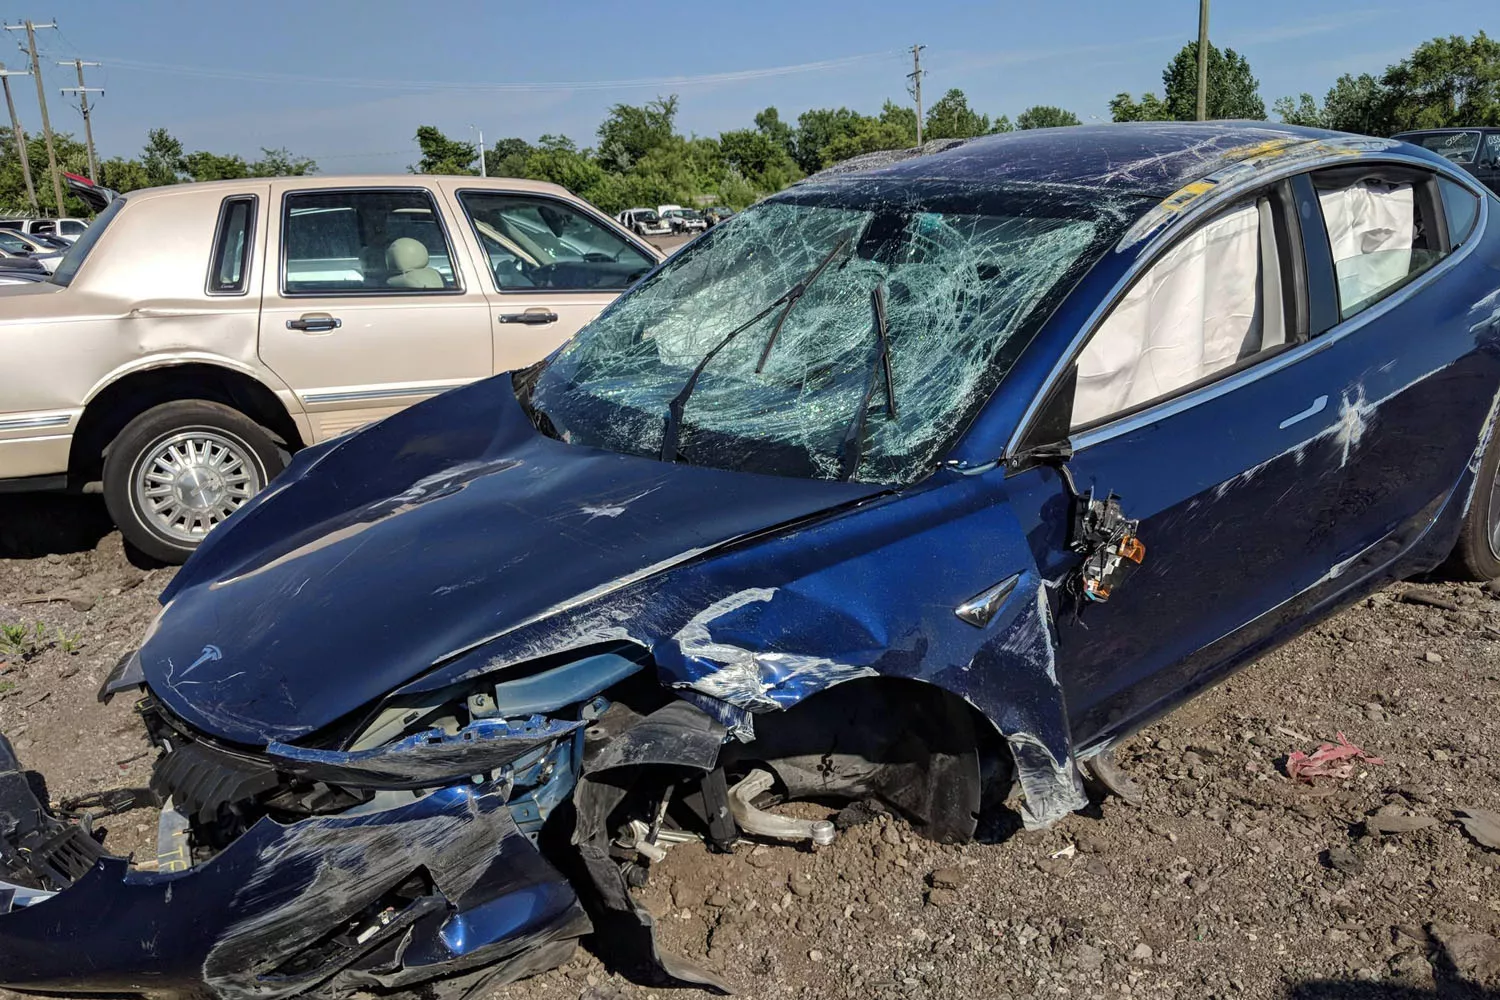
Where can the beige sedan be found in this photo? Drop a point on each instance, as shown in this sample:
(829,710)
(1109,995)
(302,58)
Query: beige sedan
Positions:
(195,336)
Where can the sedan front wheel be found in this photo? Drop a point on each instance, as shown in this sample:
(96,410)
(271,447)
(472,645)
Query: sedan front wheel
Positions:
(180,469)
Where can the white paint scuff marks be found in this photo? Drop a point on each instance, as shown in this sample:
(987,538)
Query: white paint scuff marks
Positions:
(612,509)
(1354,416)
(746,676)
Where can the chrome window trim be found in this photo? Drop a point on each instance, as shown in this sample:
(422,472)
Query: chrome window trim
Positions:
(610,225)
(437,211)
(355,395)
(1185,223)
(28,423)
(243,285)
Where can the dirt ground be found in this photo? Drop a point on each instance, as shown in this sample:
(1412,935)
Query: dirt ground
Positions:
(1228,881)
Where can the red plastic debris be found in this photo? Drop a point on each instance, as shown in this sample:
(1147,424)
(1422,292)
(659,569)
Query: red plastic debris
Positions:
(1330,760)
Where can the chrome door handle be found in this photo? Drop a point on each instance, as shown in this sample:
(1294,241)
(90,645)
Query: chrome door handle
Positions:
(314,323)
(535,316)
(1317,407)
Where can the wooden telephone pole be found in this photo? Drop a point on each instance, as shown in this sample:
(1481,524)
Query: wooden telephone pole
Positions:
(83,105)
(41,97)
(1203,60)
(18,134)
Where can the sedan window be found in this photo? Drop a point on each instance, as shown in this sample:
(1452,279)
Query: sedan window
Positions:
(1380,236)
(1211,302)
(543,243)
(358,242)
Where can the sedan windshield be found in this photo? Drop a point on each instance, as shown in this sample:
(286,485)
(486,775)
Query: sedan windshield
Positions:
(823,334)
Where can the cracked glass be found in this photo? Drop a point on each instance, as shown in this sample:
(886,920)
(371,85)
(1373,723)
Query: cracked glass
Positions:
(791,364)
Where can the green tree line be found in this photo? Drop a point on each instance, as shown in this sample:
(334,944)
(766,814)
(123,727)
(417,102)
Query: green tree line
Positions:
(641,159)
(163,160)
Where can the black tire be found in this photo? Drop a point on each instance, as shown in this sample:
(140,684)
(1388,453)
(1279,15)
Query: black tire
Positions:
(247,445)
(1474,555)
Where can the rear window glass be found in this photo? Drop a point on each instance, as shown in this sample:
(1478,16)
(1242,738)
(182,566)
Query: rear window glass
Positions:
(1461,206)
(230,266)
(68,267)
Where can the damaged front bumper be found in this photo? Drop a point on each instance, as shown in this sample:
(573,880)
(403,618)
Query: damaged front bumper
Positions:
(396,892)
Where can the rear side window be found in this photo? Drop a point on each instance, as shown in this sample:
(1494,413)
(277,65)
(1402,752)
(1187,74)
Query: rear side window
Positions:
(365,242)
(229,267)
(71,227)
(1461,206)
(1382,232)
(79,251)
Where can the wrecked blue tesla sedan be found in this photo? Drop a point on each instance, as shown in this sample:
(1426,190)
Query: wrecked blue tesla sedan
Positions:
(927,479)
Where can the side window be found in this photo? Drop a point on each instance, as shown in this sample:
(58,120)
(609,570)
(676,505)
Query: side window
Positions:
(229,267)
(1492,149)
(1211,302)
(1461,206)
(44,226)
(364,242)
(72,227)
(1382,234)
(533,242)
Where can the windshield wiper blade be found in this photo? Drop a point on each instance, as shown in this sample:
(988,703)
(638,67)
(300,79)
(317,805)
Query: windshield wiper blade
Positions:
(853,446)
(789,299)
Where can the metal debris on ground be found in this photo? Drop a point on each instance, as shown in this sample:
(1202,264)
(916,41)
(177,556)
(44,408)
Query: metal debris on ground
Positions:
(1482,825)
(1331,760)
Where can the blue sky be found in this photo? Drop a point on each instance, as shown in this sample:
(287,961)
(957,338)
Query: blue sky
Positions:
(348,82)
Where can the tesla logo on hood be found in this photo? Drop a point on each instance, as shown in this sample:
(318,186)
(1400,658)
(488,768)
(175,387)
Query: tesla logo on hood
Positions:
(210,653)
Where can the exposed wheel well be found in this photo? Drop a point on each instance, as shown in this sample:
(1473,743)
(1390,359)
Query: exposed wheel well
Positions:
(124,400)
(921,749)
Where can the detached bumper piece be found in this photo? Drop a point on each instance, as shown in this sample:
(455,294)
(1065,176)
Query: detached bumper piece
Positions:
(439,888)
(36,849)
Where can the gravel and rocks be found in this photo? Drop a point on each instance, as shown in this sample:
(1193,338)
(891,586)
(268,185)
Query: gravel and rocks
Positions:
(1229,880)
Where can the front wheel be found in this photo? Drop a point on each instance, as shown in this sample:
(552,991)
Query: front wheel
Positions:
(1477,554)
(180,469)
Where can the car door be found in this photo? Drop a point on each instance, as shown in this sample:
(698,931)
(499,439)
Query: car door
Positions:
(1418,388)
(551,266)
(1199,402)
(373,306)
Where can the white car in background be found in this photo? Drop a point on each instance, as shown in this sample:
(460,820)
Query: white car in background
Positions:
(682,220)
(644,222)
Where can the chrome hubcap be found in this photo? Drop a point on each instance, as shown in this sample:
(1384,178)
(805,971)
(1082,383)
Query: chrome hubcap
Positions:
(187,483)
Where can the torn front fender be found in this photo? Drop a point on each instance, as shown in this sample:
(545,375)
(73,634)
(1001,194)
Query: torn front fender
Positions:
(425,888)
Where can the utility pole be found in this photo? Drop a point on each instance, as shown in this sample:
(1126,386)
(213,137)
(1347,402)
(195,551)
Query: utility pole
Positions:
(915,76)
(83,105)
(19,135)
(483,172)
(1203,60)
(41,98)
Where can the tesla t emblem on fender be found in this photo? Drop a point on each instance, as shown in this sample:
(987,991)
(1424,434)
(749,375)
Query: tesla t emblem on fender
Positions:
(980,609)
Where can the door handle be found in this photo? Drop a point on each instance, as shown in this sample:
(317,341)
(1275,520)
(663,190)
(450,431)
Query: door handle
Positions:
(535,316)
(1317,407)
(314,323)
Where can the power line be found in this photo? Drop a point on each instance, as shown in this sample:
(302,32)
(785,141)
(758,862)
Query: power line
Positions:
(705,79)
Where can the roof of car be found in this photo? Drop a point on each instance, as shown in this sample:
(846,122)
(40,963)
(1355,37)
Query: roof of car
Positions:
(220,188)
(1446,130)
(1148,158)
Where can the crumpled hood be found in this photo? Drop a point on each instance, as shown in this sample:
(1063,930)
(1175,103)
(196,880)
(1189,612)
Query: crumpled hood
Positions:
(436,529)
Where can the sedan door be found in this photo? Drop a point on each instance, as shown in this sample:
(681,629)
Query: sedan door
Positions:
(1418,387)
(371,309)
(1200,403)
(551,266)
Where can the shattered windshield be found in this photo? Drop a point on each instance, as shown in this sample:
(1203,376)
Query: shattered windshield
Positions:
(758,347)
